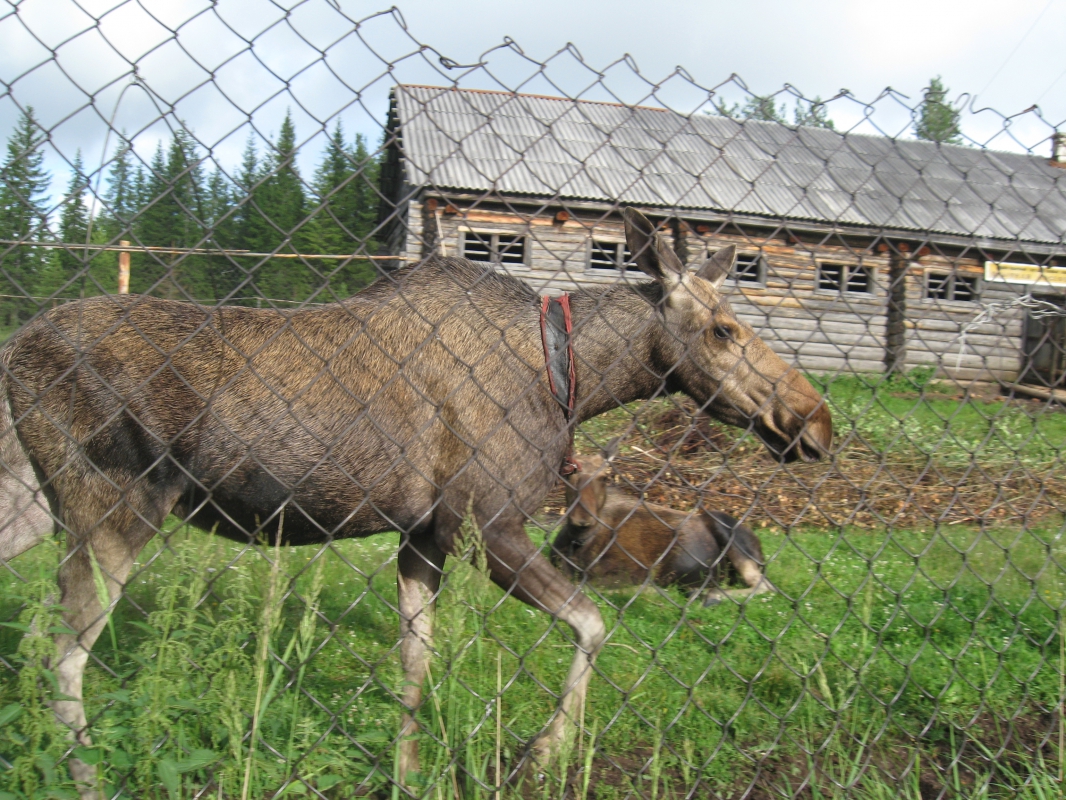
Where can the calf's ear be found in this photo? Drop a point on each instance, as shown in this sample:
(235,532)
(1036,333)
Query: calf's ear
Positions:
(610,450)
(650,252)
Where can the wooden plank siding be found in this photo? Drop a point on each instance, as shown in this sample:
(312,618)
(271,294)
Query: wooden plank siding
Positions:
(820,331)
(989,352)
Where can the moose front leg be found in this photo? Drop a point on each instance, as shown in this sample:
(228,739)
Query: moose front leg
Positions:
(750,572)
(757,586)
(420,564)
(517,567)
(742,547)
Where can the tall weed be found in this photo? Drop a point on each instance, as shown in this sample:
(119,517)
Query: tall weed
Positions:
(34,743)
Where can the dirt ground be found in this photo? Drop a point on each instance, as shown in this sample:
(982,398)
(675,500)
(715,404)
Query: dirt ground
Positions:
(686,464)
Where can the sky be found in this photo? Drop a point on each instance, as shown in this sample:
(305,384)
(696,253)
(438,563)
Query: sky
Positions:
(232,69)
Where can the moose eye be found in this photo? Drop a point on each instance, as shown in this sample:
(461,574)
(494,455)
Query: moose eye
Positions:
(722,332)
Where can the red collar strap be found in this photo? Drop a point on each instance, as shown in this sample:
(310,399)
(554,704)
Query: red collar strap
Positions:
(556,327)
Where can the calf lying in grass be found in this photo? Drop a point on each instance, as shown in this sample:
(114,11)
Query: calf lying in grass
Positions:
(613,538)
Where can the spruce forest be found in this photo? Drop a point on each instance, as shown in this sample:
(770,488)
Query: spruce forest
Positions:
(181,198)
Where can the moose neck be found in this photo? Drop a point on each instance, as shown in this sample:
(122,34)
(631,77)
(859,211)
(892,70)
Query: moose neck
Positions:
(618,347)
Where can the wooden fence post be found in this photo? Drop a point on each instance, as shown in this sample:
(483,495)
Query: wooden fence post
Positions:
(124,269)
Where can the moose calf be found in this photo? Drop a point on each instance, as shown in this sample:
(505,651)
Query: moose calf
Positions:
(614,538)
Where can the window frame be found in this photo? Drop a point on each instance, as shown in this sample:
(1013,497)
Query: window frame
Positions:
(493,240)
(951,275)
(846,271)
(761,268)
(622,263)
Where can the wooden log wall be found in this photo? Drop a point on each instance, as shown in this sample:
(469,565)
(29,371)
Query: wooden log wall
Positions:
(991,351)
(823,332)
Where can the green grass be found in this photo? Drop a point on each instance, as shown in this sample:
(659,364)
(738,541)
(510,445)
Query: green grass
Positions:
(895,662)
(910,419)
(898,639)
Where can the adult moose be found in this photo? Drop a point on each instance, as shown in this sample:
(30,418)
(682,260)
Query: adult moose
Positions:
(421,397)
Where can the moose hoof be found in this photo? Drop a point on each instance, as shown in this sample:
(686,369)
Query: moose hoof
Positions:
(539,753)
(85,777)
(712,599)
(530,767)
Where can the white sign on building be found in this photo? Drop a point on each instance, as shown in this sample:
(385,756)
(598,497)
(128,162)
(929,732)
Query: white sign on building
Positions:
(1005,272)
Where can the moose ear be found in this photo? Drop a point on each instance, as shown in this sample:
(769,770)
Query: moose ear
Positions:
(650,252)
(610,450)
(719,266)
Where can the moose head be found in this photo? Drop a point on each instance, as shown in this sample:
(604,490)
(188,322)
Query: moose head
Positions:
(718,360)
(586,488)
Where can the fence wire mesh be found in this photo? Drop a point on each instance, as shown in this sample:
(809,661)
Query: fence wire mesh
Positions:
(771,462)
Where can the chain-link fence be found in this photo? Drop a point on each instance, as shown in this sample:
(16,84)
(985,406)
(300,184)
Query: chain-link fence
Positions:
(713,440)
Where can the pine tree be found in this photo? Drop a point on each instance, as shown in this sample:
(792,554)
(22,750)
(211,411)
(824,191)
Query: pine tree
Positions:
(937,120)
(368,168)
(332,230)
(764,109)
(154,224)
(367,199)
(140,190)
(172,216)
(812,114)
(23,214)
(192,274)
(247,184)
(114,221)
(66,263)
(120,198)
(219,209)
(344,186)
(242,232)
(275,223)
(223,232)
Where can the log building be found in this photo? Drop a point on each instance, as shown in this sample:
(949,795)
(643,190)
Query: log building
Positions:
(858,253)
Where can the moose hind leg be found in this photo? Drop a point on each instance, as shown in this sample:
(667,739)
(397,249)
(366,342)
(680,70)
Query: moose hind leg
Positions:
(420,565)
(25,517)
(517,567)
(114,542)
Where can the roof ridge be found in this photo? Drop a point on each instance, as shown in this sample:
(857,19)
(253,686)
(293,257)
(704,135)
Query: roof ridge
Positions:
(845,135)
(534,96)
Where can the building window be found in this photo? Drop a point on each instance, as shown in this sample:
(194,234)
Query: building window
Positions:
(477,247)
(495,248)
(845,278)
(608,256)
(950,286)
(859,280)
(749,269)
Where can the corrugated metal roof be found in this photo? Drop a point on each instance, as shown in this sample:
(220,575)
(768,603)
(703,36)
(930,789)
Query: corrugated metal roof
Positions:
(496,142)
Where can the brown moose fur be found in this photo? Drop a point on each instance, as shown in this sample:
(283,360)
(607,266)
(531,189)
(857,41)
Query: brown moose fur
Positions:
(398,409)
(615,539)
